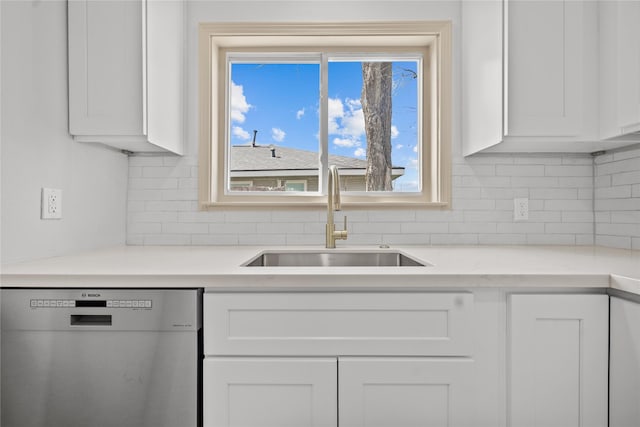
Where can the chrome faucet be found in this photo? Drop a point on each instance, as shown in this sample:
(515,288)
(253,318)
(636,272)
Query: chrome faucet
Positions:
(333,204)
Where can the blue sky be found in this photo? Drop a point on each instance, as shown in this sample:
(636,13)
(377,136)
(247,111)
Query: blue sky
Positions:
(281,101)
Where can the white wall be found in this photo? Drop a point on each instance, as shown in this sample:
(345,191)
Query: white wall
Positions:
(37,150)
(163,191)
(617,199)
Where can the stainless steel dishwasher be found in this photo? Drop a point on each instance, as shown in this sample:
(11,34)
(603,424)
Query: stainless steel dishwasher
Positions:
(100,358)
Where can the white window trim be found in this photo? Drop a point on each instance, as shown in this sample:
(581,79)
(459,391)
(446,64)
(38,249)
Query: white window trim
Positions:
(434,36)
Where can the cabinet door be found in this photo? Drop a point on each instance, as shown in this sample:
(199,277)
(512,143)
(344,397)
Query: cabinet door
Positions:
(545,77)
(402,392)
(261,392)
(105,67)
(619,68)
(628,65)
(624,374)
(559,353)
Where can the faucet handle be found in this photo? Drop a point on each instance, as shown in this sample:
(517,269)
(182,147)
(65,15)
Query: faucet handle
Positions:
(345,223)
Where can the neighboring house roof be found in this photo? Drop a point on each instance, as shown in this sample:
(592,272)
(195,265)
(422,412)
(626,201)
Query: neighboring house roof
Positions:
(251,159)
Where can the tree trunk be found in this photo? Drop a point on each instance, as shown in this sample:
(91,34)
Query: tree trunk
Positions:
(376,107)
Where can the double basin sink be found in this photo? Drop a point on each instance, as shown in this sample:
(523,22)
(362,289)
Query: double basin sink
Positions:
(333,258)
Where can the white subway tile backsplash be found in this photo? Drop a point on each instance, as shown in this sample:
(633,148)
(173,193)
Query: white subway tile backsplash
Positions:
(617,202)
(569,170)
(568,205)
(551,239)
(167,239)
(577,217)
(425,227)
(534,182)
(184,228)
(233,228)
(502,239)
(279,228)
(626,178)
(152,183)
(520,228)
(553,193)
(520,170)
(406,239)
(163,207)
(613,241)
(454,239)
(472,227)
(618,192)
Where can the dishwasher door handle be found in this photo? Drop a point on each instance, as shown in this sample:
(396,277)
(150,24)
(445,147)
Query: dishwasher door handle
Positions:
(90,320)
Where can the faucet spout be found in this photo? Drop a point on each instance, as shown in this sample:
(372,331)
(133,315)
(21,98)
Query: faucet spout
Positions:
(333,204)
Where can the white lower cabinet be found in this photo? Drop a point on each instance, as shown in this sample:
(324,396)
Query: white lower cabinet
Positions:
(270,392)
(624,374)
(558,360)
(350,392)
(405,392)
(486,358)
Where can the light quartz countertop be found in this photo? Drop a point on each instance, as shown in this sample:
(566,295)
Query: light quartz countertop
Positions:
(220,268)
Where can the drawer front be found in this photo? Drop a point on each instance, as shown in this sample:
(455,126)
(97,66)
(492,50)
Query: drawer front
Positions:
(318,324)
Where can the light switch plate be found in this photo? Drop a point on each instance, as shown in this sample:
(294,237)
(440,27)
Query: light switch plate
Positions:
(51,204)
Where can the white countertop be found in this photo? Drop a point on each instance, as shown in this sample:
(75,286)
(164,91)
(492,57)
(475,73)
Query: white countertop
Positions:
(220,268)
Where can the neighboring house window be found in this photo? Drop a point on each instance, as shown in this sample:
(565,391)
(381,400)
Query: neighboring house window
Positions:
(238,185)
(295,185)
(282,102)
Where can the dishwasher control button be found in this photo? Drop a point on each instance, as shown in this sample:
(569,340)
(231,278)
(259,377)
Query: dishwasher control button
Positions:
(147,304)
(59,303)
(129,304)
(116,304)
(72,303)
(34,303)
(46,303)
(40,303)
(109,303)
(65,303)
(135,304)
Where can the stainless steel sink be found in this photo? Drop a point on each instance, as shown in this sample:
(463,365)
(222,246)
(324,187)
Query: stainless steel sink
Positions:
(334,258)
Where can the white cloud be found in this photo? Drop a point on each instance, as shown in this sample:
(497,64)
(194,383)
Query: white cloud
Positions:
(299,114)
(360,152)
(346,142)
(399,146)
(346,118)
(278,134)
(336,111)
(415,148)
(394,132)
(239,104)
(237,131)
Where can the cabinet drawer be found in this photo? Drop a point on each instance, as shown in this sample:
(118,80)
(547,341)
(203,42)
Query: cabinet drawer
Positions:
(317,324)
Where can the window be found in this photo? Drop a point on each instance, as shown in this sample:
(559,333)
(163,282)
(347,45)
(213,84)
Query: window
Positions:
(281,102)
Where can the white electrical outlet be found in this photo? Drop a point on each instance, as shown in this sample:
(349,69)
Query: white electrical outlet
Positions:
(51,205)
(520,209)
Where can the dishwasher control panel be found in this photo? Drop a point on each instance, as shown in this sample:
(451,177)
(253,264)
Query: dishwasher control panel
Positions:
(66,303)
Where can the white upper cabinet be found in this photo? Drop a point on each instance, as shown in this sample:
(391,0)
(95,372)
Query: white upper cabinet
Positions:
(620,69)
(126,73)
(530,76)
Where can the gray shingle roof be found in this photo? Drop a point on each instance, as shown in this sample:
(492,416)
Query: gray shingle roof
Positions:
(250,158)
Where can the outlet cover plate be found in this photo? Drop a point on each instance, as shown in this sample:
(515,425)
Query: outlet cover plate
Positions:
(520,209)
(51,204)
